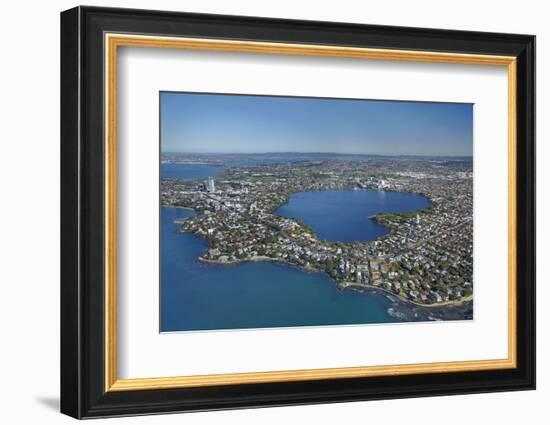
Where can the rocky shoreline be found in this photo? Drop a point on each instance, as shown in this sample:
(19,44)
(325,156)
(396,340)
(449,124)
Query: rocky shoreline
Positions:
(402,308)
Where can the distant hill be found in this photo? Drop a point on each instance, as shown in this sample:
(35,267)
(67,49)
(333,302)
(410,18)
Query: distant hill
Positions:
(448,160)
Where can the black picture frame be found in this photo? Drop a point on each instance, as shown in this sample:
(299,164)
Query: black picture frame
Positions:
(83,392)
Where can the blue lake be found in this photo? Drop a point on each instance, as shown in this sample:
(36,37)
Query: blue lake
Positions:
(343,215)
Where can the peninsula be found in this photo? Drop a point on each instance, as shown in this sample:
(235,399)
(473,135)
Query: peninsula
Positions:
(425,258)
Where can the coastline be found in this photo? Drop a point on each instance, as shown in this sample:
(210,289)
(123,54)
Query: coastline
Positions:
(340,285)
(231,262)
(259,258)
(178,207)
(354,285)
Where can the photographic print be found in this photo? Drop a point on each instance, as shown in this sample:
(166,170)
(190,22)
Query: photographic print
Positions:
(281,211)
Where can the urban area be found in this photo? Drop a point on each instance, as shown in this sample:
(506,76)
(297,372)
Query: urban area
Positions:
(426,258)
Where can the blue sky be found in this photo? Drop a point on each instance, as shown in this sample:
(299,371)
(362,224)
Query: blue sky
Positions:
(212,123)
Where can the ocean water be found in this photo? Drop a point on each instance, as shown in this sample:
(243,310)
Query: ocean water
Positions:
(343,215)
(188,171)
(201,296)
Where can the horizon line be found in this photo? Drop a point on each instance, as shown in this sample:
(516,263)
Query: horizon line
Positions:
(315,152)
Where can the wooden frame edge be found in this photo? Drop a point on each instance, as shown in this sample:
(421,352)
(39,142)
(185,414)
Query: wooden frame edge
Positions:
(114,40)
(512,212)
(306,375)
(110,213)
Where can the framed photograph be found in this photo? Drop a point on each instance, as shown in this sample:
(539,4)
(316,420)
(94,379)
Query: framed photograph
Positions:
(261,212)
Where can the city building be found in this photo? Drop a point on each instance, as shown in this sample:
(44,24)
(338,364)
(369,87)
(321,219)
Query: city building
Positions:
(210,185)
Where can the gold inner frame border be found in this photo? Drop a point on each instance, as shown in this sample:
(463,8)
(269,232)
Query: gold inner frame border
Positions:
(111,43)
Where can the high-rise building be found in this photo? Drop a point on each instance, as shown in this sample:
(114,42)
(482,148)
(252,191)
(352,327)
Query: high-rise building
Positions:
(211,186)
